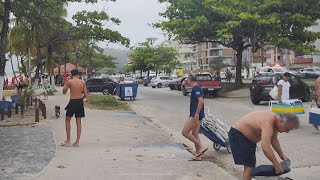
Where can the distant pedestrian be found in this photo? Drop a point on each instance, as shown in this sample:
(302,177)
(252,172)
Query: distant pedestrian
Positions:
(78,92)
(192,127)
(284,88)
(228,75)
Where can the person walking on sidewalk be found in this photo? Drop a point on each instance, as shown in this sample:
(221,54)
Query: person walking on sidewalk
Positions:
(284,88)
(192,127)
(78,92)
(259,126)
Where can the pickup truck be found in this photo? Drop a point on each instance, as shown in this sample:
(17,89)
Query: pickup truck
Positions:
(208,84)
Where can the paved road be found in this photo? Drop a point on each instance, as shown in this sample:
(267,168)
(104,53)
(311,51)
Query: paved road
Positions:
(169,109)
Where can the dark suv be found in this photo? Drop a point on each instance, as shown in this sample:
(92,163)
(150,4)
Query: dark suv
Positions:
(105,85)
(262,85)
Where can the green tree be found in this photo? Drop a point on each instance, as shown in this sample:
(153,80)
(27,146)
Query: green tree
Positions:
(243,24)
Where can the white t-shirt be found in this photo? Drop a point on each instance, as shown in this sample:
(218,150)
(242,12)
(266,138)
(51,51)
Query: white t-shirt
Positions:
(285,89)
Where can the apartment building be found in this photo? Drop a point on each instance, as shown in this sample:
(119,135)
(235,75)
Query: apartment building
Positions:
(185,53)
(205,53)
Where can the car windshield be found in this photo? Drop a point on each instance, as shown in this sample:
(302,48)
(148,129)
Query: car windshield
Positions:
(204,77)
(280,69)
(128,79)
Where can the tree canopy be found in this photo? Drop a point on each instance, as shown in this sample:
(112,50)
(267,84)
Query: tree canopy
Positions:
(243,24)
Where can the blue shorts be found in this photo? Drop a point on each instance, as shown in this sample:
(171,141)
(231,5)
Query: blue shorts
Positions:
(243,150)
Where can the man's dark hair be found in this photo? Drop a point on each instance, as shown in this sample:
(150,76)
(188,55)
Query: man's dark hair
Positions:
(287,74)
(74,72)
(192,77)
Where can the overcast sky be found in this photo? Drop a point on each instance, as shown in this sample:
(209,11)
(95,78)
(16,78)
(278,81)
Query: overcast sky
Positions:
(136,15)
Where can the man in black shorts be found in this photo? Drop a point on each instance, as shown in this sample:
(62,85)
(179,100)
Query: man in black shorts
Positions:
(75,107)
(192,126)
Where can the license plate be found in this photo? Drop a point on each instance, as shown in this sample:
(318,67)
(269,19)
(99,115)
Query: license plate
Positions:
(268,88)
(211,89)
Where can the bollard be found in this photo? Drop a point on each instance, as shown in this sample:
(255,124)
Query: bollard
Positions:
(2,114)
(37,114)
(35,102)
(9,113)
(44,112)
(17,108)
(39,102)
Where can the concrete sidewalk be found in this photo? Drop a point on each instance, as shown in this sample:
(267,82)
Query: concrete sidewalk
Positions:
(121,145)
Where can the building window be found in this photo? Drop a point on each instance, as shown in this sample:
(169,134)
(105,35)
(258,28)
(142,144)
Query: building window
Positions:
(214,45)
(214,52)
(206,53)
(207,60)
(207,45)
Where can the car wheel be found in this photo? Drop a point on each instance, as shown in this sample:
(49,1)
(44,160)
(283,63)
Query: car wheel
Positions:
(184,91)
(145,84)
(306,97)
(153,87)
(171,88)
(106,91)
(179,88)
(159,85)
(255,100)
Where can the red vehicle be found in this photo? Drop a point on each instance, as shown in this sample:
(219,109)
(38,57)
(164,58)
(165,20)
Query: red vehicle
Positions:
(208,84)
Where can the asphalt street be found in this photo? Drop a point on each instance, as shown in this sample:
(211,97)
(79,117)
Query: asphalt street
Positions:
(169,109)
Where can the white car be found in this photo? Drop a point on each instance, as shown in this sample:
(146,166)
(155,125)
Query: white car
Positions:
(160,81)
(273,70)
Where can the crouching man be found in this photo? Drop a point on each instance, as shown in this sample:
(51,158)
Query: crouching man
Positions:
(255,127)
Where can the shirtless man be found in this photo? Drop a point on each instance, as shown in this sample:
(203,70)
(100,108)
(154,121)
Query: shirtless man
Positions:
(78,92)
(259,126)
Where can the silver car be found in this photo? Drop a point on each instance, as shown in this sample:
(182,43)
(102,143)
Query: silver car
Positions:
(160,81)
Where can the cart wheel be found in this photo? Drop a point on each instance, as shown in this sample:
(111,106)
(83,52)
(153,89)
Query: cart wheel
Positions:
(229,149)
(122,99)
(216,146)
(131,98)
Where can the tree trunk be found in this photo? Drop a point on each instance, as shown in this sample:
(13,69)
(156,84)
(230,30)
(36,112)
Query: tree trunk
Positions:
(238,80)
(14,73)
(39,63)
(3,42)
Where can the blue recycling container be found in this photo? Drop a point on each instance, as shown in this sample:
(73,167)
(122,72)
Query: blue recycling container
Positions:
(6,105)
(127,90)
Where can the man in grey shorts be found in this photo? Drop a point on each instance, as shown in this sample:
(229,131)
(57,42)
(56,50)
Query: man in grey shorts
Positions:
(259,126)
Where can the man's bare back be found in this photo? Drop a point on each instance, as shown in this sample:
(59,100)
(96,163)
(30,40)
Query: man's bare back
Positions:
(251,124)
(77,88)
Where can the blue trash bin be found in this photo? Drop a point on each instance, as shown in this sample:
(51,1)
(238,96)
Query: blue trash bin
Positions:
(127,90)
(6,105)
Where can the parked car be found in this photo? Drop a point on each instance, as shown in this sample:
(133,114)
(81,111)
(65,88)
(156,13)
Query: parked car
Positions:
(312,72)
(176,84)
(273,70)
(104,85)
(160,81)
(138,80)
(207,83)
(262,85)
(147,80)
(128,80)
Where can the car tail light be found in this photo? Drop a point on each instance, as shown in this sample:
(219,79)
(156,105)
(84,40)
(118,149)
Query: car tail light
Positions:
(264,82)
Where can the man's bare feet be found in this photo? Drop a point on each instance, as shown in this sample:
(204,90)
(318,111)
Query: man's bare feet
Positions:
(76,144)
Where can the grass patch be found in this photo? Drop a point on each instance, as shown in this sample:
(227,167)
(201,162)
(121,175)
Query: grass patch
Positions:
(228,87)
(103,102)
